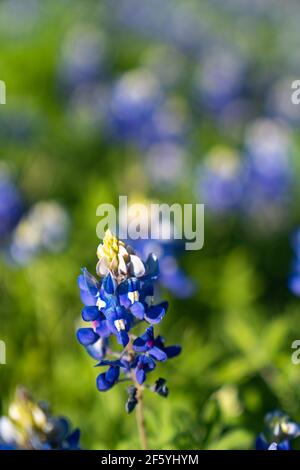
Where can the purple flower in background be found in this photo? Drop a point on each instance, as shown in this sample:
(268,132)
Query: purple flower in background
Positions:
(220,79)
(268,175)
(294,278)
(11,206)
(259,185)
(82,60)
(179,25)
(135,98)
(279,431)
(139,111)
(166,164)
(220,181)
(267,164)
(44,228)
(30,425)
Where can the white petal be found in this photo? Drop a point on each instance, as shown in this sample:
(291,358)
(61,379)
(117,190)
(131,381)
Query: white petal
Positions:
(137,266)
(102,267)
(122,265)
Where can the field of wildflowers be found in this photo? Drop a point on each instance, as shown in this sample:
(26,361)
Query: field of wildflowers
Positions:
(170,102)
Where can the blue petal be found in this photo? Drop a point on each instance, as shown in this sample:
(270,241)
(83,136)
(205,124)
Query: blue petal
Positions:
(103,329)
(87,336)
(124,300)
(156,313)
(87,298)
(123,338)
(81,282)
(140,376)
(91,283)
(284,445)
(261,443)
(97,350)
(147,291)
(140,345)
(149,363)
(152,267)
(109,284)
(112,374)
(130,285)
(158,354)
(138,310)
(172,351)
(73,439)
(102,383)
(90,313)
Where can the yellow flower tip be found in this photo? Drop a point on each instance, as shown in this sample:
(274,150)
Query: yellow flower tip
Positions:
(110,247)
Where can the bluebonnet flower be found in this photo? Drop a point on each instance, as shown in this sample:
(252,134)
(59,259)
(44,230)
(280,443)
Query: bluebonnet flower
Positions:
(30,425)
(146,343)
(142,365)
(135,97)
(119,301)
(82,61)
(132,399)
(220,180)
(11,205)
(166,164)
(280,430)
(220,78)
(259,185)
(177,24)
(268,161)
(161,388)
(294,278)
(268,174)
(140,112)
(44,227)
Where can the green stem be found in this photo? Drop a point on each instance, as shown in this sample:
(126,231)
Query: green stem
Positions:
(140,418)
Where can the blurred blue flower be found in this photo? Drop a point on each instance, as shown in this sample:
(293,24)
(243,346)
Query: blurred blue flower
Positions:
(140,112)
(45,227)
(180,25)
(220,183)
(262,444)
(82,61)
(166,164)
(220,78)
(294,278)
(257,187)
(135,98)
(11,205)
(268,161)
(279,431)
(31,425)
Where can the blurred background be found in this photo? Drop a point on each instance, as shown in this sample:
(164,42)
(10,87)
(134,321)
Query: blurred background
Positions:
(173,101)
